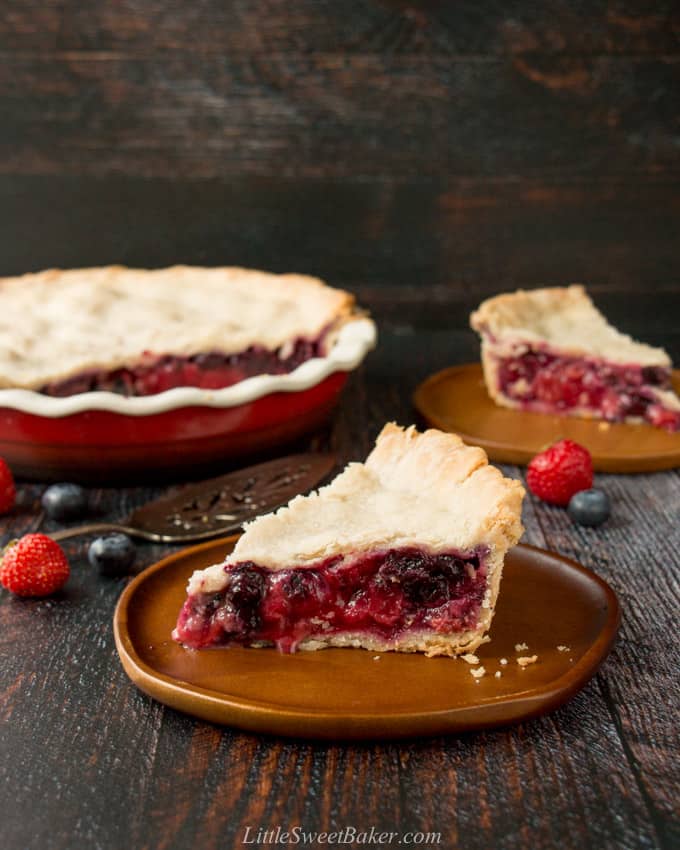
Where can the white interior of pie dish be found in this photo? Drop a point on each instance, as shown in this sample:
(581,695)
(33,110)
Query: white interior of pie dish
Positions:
(355,339)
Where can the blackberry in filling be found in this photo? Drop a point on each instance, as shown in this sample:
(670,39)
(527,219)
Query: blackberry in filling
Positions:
(384,594)
(547,383)
(209,371)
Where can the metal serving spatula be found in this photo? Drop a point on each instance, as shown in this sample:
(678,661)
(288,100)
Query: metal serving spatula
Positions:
(219,505)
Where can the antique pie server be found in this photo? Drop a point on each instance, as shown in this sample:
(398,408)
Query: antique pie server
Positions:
(219,505)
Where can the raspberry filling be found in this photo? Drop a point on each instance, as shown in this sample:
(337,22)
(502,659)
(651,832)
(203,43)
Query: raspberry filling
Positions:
(210,371)
(547,383)
(382,594)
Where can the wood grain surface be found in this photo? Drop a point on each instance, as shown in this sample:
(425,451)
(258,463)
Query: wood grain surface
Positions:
(88,761)
(365,89)
(466,239)
(424,154)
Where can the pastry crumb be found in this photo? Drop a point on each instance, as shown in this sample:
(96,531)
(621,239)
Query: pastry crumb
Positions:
(376,658)
(603,426)
(526,660)
(520,646)
(497,674)
(504,661)
(470,658)
(477,672)
(563,648)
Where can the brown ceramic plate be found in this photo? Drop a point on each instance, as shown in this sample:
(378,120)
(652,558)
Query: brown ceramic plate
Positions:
(456,400)
(545,601)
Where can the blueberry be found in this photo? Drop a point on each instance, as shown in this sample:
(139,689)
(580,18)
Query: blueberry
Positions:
(64,501)
(406,567)
(452,567)
(244,591)
(112,555)
(589,507)
(423,579)
(304,585)
(246,586)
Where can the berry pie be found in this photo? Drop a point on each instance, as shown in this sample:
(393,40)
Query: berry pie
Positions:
(403,552)
(138,332)
(552,351)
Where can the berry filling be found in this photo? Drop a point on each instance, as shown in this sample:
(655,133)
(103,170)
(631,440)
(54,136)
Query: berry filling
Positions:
(547,383)
(210,371)
(382,594)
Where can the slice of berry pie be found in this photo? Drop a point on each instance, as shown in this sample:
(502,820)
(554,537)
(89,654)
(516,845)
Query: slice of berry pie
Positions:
(403,552)
(138,332)
(552,351)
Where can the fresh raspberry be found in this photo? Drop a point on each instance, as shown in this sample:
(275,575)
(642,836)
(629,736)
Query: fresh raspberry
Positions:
(560,471)
(8,491)
(34,566)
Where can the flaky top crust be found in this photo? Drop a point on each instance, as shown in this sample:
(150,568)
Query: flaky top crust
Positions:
(56,324)
(564,319)
(428,490)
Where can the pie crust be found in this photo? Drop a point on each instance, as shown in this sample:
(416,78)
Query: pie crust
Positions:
(55,324)
(427,493)
(560,329)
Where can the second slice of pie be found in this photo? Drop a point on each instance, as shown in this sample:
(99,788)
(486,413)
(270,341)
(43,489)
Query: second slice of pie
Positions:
(552,351)
(403,552)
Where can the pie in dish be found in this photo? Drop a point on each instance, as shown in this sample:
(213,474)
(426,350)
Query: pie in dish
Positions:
(552,351)
(403,552)
(138,332)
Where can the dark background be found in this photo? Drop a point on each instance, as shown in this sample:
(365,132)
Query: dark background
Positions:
(422,154)
(439,147)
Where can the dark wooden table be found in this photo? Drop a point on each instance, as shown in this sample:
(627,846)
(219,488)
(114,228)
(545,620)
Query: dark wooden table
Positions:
(89,761)
(424,154)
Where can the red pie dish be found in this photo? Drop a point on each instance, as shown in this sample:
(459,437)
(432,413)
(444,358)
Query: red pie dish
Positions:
(257,360)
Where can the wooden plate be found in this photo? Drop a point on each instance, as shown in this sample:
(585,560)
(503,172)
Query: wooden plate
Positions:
(545,601)
(456,400)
